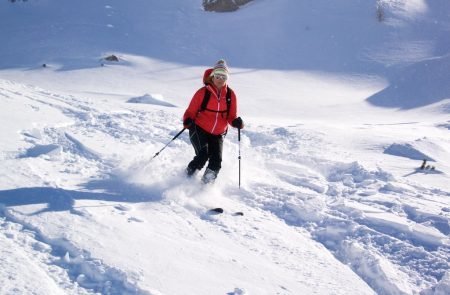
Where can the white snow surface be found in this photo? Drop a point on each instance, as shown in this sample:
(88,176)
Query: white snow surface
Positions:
(342,101)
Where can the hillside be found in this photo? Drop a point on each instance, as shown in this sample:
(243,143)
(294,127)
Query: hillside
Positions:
(342,101)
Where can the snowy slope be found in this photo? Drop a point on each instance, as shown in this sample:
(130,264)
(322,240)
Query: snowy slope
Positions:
(340,111)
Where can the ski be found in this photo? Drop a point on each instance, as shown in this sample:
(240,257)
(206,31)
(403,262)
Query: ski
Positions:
(218,210)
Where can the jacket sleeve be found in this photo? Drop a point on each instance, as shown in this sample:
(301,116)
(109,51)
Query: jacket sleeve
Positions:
(233,108)
(194,105)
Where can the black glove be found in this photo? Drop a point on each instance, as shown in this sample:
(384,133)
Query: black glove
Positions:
(188,123)
(238,123)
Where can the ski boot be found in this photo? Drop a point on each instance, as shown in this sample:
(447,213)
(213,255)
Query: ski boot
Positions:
(190,171)
(209,176)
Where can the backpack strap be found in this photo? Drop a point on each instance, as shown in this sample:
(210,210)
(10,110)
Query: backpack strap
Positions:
(207,96)
(205,99)
(228,98)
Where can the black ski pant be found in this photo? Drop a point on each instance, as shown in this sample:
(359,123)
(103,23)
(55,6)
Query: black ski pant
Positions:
(207,147)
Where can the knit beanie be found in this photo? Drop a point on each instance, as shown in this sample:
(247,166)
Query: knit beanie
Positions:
(220,68)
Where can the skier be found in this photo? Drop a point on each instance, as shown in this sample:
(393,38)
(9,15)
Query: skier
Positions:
(211,109)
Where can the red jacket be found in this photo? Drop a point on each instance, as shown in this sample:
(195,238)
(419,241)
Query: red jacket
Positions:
(214,122)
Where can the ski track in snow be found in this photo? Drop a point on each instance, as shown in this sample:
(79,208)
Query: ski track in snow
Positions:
(356,213)
(367,219)
(72,269)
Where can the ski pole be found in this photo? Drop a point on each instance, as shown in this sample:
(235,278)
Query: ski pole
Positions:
(175,137)
(239,157)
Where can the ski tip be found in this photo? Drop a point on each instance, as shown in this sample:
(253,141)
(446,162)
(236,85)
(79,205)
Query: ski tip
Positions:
(219,210)
(216,210)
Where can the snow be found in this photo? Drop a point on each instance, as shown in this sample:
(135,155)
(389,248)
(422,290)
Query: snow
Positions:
(155,99)
(340,110)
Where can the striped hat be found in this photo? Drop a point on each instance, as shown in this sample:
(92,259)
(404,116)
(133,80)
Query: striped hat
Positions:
(220,68)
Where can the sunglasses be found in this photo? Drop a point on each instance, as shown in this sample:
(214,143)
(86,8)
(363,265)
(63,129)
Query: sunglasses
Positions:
(220,77)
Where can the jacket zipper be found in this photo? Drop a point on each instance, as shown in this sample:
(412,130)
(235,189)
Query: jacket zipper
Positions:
(218,109)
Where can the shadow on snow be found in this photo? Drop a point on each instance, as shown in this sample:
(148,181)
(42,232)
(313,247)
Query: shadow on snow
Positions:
(58,199)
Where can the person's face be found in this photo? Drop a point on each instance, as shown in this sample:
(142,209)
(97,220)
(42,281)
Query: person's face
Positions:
(219,80)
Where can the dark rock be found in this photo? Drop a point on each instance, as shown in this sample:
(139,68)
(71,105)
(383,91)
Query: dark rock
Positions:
(223,5)
(112,58)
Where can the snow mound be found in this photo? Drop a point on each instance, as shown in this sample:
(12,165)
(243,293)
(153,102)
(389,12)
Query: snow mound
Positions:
(155,99)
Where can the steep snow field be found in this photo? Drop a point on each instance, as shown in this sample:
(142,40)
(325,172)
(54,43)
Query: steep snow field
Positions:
(340,108)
